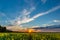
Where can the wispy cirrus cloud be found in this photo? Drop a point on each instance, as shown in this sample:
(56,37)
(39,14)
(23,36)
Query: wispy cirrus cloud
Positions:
(44,13)
(53,22)
(45,25)
(25,18)
(27,12)
(2,14)
(43,1)
(56,21)
(31,3)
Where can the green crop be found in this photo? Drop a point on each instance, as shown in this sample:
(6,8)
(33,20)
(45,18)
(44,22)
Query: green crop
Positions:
(32,36)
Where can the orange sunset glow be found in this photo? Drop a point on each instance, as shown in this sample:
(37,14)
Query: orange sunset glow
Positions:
(30,30)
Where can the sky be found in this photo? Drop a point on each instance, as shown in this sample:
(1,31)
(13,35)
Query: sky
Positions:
(29,13)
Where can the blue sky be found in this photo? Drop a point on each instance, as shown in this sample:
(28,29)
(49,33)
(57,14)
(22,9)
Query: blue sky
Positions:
(29,13)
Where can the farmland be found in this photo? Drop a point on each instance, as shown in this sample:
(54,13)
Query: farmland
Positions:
(31,36)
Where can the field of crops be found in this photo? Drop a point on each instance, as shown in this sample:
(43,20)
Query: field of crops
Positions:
(31,36)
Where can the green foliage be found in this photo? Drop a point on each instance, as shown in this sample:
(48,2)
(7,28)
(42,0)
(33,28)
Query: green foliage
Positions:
(27,36)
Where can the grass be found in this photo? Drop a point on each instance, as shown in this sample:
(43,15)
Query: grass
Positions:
(32,36)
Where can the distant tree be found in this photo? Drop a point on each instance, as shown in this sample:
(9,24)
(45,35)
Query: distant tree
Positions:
(3,29)
(0,26)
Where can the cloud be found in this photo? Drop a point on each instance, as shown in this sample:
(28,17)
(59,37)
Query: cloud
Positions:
(53,9)
(35,26)
(44,13)
(43,1)
(14,28)
(25,18)
(27,12)
(44,25)
(30,2)
(2,14)
(53,22)
(56,21)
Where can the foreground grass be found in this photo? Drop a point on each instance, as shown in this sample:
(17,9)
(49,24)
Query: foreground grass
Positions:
(32,36)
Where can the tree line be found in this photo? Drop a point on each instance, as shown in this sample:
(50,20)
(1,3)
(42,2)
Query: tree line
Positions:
(3,29)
